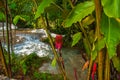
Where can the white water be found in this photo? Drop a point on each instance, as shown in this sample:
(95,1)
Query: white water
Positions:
(12,26)
(31,44)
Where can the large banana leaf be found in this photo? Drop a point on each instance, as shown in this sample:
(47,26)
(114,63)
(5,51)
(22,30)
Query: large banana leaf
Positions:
(111,8)
(111,30)
(41,7)
(79,12)
(116,62)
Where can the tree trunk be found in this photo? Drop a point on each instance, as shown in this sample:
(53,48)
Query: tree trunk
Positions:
(3,32)
(7,35)
(11,37)
(2,59)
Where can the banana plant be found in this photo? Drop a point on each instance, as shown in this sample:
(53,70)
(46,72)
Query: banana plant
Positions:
(97,39)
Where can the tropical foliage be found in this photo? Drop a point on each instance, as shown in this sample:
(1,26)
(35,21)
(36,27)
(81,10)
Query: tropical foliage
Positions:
(92,23)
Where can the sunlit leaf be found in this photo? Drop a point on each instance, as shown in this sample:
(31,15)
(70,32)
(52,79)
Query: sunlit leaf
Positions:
(88,20)
(41,7)
(111,30)
(76,37)
(97,47)
(111,8)
(79,12)
(2,16)
(53,62)
(25,17)
(16,18)
(116,62)
(22,17)
(118,20)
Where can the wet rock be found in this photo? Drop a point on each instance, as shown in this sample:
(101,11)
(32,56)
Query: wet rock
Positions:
(2,77)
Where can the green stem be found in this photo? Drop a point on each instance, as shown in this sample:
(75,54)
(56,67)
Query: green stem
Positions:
(72,6)
(107,68)
(100,65)
(58,6)
(97,37)
(85,34)
(89,70)
(54,51)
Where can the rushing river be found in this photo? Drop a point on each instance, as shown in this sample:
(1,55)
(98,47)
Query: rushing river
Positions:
(29,43)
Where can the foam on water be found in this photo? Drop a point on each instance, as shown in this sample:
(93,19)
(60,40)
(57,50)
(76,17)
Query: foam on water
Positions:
(31,44)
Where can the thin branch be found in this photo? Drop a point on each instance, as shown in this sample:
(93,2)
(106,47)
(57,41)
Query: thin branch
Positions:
(58,6)
(54,51)
(8,42)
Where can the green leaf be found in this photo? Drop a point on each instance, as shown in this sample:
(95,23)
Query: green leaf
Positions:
(41,7)
(16,19)
(97,47)
(88,20)
(76,37)
(2,16)
(53,62)
(116,62)
(22,17)
(79,12)
(111,30)
(25,17)
(12,5)
(24,66)
(87,49)
(111,8)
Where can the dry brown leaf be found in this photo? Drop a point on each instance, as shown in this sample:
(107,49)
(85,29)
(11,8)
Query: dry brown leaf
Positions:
(85,66)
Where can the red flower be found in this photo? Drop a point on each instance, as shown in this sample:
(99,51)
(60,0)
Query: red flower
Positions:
(94,68)
(58,42)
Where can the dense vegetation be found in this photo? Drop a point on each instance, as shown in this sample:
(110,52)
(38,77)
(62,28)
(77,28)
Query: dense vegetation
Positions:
(92,23)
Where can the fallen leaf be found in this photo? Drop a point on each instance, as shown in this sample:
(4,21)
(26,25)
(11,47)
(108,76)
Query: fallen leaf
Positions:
(85,66)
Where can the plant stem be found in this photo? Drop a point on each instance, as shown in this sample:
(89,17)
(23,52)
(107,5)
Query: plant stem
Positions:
(107,68)
(3,59)
(11,37)
(8,42)
(89,70)
(3,32)
(58,6)
(85,34)
(97,37)
(98,18)
(100,65)
(54,51)
(71,4)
